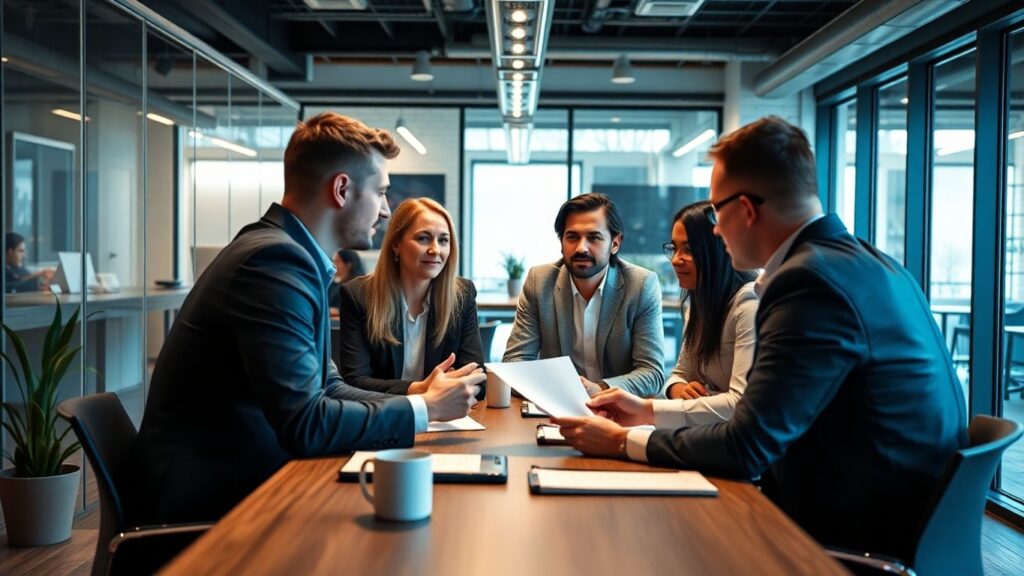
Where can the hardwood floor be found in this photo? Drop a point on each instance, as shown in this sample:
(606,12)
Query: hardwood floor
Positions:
(1002,549)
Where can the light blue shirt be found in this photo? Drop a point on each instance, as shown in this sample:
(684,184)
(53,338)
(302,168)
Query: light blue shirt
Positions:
(328,263)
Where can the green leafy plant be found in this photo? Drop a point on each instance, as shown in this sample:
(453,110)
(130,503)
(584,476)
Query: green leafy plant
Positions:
(37,445)
(514,267)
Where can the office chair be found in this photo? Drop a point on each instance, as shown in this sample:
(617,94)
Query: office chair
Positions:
(949,537)
(487,330)
(106,435)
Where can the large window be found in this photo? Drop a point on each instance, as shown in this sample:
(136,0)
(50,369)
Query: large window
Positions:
(891,170)
(513,207)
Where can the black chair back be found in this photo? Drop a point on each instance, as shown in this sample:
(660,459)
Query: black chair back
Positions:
(106,434)
(950,540)
(487,330)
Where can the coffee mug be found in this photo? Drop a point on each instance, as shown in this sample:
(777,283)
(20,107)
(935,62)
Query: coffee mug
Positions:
(403,482)
(499,393)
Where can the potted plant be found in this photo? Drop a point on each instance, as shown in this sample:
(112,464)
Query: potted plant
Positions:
(38,494)
(514,267)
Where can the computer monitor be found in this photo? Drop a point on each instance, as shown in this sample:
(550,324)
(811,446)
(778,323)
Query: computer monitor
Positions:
(69,273)
(203,257)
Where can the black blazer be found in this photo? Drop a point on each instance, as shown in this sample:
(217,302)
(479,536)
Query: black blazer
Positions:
(244,382)
(852,401)
(379,366)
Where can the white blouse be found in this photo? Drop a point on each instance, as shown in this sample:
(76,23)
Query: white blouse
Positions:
(725,374)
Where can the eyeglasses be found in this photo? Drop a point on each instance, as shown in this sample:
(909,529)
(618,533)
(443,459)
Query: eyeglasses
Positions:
(684,251)
(716,207)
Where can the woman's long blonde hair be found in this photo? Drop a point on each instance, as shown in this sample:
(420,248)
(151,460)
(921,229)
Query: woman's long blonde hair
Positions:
(383,287)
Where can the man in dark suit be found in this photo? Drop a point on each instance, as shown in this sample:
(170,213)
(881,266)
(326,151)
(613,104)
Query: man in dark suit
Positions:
(244,381)
(852,402)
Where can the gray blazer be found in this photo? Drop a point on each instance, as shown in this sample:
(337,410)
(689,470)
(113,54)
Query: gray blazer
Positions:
(629,332)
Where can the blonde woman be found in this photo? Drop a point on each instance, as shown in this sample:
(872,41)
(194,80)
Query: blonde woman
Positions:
(413,312)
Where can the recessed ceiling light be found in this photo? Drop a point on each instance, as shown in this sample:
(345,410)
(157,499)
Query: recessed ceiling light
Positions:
(518,76)
(518,64)
(516,113)
(519,16)
(518,48)
(904,100)
(615,119)
(519,33)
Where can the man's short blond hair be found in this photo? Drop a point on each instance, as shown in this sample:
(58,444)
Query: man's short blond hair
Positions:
(329,143)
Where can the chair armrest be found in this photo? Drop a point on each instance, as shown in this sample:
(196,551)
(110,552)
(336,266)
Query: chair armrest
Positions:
(142,532)
(883,564)
(145,549)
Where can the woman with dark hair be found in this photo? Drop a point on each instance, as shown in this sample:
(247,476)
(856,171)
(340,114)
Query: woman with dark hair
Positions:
(718,341)
(348,265)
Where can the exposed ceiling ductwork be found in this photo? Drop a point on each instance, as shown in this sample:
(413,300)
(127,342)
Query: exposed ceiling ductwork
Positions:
(863,29)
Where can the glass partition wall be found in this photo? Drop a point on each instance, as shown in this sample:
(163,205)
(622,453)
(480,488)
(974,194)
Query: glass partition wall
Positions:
(107,120)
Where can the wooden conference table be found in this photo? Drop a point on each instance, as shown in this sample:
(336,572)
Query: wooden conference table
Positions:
(302,521)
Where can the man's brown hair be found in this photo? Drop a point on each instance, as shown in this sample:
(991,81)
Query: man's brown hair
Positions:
(329,143)
(773,153)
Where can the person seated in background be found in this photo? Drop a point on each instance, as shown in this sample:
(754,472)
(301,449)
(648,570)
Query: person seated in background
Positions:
(414,311)
(592,306)
(718,341)
(348,265)
(852,410)
(18,278)
(244,382)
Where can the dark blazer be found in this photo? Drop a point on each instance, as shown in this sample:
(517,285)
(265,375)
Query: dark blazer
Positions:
(379,366)
(852,401)
(244,382)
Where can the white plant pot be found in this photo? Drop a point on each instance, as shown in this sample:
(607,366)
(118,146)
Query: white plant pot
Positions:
(39,511)
(515,286)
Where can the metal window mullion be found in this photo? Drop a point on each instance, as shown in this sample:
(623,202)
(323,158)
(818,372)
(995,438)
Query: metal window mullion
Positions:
(144,314)
(989,209)
(824,133)
(919,160)
(864,187)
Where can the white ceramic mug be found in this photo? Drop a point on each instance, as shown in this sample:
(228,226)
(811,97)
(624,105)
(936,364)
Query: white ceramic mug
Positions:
(499,393)
(403,482)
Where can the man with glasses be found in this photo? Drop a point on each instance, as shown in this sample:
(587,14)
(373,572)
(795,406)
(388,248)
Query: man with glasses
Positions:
(592,306)
(852,409)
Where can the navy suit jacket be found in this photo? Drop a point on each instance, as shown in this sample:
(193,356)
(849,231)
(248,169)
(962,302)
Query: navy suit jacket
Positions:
(244,382)
(852,401)
(379,366)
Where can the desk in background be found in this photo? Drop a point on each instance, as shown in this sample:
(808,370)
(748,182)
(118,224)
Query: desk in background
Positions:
(29,310)
(302,521)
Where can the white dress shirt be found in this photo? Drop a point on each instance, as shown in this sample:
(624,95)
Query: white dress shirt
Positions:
(636,440)
(585,316)
(414,340)
(419,407)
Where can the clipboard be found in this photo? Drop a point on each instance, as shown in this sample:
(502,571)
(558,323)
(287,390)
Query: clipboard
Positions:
(619,483)
(448,469)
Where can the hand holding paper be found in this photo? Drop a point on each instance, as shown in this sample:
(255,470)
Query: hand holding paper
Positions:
(552,384)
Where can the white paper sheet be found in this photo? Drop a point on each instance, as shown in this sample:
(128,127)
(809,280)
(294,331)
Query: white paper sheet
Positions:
(439,463)
(460,425)
(552,384)
(552,432)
